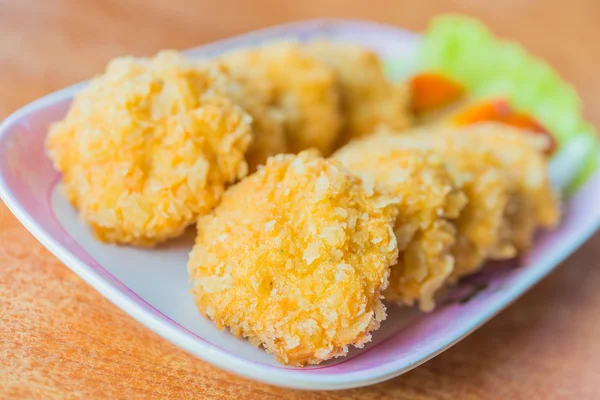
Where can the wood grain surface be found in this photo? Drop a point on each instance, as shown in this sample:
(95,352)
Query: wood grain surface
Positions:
(60,339)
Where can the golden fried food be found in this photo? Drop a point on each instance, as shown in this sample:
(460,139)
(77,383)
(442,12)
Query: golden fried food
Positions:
(427,199)
(369,99)
(268,136)
(480,225)
(533,203)
(504,174)
(149,146)
(295,258)
(301,91)
(257,95)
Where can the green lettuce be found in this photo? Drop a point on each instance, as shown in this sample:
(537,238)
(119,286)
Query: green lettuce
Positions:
(464,49)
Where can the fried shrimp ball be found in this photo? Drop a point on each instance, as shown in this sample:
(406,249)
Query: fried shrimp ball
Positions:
(149,146)
(504,175)
(480,227)
(295,258)
(532,204)
(302,91)
(268,137)
(257,95)
(369,99)
(427,200)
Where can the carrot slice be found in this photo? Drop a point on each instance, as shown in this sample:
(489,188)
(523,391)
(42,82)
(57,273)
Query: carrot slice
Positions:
(431,91)
(492,110)
(499,110)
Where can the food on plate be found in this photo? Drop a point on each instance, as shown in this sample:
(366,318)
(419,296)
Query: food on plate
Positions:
(296,258)
(480,225)
(533,203)
(370,100)
(503,172)
(465,51)
(148,146)
(302,91)
(299,256)
(427,200)
(268,137)
(258,96)
(430,91)
(500,111)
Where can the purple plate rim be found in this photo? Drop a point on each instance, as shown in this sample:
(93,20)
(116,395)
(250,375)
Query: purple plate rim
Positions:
(316,377)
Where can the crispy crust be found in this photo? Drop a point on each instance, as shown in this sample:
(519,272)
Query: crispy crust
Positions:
(149,146)
(302,92)
(295,259)
(258,96)
(369,99)
(533,204)
(504,174)
(480,226)
(427,198)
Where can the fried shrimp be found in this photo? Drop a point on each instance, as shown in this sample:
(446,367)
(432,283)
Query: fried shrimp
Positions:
(302,274)
(302,91)
(268,136)
(149,146)
(480,225)
(369,99)
(427,199)
(504,175)
(258,96)
(532,204)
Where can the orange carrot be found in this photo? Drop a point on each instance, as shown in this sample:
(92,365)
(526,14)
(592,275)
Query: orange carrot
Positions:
(431,91)
(499,110)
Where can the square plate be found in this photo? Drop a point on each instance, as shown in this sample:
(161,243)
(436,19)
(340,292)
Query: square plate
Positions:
(152,285)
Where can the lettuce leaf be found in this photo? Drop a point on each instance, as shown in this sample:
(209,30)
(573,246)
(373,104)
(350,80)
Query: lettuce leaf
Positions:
(465,50)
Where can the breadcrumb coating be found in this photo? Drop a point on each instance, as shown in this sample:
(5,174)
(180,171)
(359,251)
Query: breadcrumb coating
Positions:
(268,136)
(149,146)
(302,90)
(480,224)
(427,198)
(295,258)
(369,99)
(258,96)
(481,227)
(504,174)
(532,203)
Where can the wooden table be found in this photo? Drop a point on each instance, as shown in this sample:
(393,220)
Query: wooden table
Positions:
(61,339)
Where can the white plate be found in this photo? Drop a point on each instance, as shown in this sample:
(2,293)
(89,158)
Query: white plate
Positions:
(152,285)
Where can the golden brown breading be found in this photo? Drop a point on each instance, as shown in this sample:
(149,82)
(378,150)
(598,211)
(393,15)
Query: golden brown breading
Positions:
(257,95)
(268,136)
(301,90)
(480,224)
(504,174)
(369,99)
(149,146)
(533,203)
(427,198)
(481,227)
(295,258)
